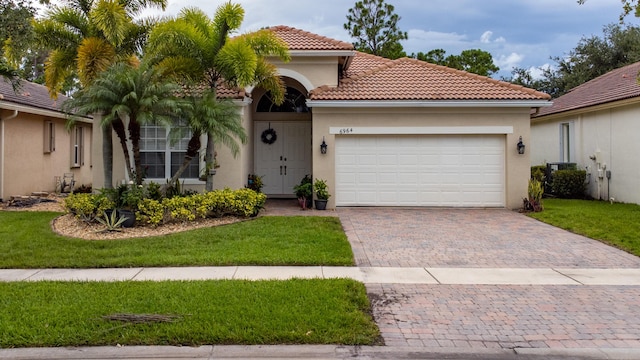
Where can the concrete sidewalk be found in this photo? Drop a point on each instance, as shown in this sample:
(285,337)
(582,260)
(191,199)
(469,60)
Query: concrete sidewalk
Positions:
(220,352)
(367,275)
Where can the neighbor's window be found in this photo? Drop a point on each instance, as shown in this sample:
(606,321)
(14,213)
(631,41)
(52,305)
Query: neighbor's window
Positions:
(565,142)
(77,146)
(49,136)
(161,157)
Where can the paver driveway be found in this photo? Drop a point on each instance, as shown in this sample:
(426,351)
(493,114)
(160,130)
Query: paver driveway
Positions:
(401,237)
(490,316)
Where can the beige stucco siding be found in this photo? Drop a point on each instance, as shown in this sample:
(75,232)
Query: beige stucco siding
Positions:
(311,71)
(26,166)
(606,139)
(516,166)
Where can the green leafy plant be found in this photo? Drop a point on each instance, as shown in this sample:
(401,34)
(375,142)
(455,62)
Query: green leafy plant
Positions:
(304,191)
(87,206)
(321,189)
(255,182)
(111,221)
(535,192)
(569,184)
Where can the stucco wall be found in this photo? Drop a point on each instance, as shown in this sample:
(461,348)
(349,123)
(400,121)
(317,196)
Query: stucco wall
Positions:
(311,71)
(516,166)
(27,168)
(610,136)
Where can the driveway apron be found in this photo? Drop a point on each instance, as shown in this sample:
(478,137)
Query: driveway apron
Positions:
(490,316)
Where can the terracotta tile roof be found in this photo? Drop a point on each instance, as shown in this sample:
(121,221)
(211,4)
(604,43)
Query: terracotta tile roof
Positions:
(411,79)
(619,84)
(30,94)
(298,39)
(363,62)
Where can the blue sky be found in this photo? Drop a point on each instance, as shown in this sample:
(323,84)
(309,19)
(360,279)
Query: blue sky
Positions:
(522,33)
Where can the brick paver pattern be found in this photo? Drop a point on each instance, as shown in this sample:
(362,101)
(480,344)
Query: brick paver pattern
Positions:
(490,316)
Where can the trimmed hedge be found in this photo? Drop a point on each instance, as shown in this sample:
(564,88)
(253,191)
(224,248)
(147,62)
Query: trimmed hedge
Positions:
(569,184)
(212,204)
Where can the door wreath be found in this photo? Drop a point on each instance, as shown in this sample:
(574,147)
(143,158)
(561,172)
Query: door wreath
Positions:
(269,136)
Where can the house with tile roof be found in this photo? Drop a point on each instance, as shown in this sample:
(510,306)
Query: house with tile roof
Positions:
(36,150)
(381,132)
(596,126)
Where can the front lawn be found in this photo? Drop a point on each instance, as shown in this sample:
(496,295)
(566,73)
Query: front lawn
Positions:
(39,314)
(27,241)
(615,224)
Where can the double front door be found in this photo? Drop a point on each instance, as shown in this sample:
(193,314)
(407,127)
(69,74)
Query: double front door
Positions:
(282,155)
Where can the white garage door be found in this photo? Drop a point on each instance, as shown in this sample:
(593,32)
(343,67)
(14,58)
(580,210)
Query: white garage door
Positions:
(420,170)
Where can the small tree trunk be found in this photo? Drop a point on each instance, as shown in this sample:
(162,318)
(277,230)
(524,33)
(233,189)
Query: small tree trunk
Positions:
(208,158)
(192,151)
(118,127)
(107,156)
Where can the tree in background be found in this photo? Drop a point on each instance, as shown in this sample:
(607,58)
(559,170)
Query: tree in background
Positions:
(87,37)
(374,25)
(592,57)
(197,50)
(16,37)
(474,61)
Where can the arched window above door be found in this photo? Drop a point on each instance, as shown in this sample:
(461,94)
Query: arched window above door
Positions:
(294,101)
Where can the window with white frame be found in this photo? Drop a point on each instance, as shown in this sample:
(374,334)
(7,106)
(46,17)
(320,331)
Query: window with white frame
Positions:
(566,137)
(77,146)
(160,157)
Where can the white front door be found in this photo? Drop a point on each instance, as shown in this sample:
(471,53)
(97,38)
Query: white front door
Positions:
(287,160)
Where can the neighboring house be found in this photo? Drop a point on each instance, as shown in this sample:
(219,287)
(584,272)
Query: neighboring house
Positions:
(596,125)
(36,150)
(398,132)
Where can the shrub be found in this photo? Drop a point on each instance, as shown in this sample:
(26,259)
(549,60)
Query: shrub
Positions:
(537,172)
(150,211)
(87,206)
(569,183)
(535,192)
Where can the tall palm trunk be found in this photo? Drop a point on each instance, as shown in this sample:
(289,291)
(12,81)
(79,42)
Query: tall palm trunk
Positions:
(107,156)
(134,135)
(118,127)
(208,159)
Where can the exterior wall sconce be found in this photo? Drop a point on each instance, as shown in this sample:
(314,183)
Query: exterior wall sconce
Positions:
(323,147)
(521,146)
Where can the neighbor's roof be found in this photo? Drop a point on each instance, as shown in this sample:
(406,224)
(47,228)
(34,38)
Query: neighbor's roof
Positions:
(619,84)
(297,39)
(29,94)
(411,79)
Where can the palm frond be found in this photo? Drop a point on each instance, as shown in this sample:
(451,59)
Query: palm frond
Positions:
(237,62)
(56,69)
(265,43)
(111,18)
(94,56)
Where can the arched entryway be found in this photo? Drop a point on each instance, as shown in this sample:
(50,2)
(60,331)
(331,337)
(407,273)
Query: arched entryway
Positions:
(282,139)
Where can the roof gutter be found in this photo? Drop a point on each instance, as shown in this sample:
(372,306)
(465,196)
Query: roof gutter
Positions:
(2,121)
(429,104)
(39,111)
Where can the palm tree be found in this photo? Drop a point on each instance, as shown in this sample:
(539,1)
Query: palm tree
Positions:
(198,50)
(139,94)
(87,36)
(218,117)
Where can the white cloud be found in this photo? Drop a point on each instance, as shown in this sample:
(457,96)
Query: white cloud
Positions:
(509,61)
(485,38)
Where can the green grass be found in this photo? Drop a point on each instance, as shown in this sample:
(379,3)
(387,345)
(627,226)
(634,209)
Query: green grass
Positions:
(39,314)
(615,224)
(27,241)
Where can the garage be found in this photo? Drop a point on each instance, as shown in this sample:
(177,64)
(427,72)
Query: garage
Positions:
(420,170)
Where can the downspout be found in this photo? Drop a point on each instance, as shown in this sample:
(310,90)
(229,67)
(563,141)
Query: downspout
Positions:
(2,120)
